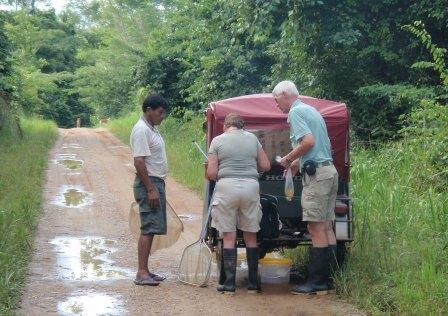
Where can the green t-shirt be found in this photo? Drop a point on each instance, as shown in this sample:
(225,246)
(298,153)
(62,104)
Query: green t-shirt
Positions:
(237,153)
(304,119)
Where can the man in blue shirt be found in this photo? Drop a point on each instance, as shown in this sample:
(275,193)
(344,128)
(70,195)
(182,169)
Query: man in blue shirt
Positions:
(311,147)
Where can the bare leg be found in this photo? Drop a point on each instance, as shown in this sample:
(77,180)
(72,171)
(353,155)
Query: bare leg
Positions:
(229,240)
(250,239)
(144,247)
(318,234)
(331,238)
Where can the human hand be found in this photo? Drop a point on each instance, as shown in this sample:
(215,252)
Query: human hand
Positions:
(284,162)
(153,197)
(295,166)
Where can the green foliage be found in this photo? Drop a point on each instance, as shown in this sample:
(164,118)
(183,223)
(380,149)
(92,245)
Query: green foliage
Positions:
(377,110)
(427,131)
(398,261)
(340,49)
(21,179)
(114,52)
(5,64)
(43,61)
(438,54)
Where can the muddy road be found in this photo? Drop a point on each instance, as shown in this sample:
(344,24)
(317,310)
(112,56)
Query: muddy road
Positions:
(84,256)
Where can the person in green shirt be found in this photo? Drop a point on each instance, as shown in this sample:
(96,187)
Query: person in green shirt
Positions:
(311,146)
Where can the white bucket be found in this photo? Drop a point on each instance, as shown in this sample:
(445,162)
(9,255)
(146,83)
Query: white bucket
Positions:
(274,270)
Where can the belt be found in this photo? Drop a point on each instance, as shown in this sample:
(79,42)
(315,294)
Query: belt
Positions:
(322,164)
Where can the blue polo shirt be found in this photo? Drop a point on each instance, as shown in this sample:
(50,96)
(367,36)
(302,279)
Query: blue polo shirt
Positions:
(304,119)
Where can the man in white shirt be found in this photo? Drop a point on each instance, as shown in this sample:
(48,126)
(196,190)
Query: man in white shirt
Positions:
(148,150)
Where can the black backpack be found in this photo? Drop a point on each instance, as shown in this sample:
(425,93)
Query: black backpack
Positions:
(269,226)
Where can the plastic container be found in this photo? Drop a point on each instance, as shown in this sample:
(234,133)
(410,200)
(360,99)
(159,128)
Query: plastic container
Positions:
(274,270)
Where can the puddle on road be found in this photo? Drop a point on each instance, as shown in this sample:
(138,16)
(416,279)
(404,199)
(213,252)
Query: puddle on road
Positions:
(72,196)
(71,146)
(69,161)
(71,164)
(87,258)
(189,217)
(92,303)
(65,156)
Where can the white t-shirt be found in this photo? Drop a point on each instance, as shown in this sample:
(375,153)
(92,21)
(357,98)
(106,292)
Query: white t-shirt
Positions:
(147,142)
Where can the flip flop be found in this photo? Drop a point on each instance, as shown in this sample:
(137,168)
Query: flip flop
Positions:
(146,281)
(157,277)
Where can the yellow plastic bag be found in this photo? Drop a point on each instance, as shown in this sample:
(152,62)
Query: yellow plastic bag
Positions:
(289,185)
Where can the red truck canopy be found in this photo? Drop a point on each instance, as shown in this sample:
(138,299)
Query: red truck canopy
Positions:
(260,113)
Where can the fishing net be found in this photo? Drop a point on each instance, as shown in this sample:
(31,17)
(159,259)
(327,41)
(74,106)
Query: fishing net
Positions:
(174,227)
(196,261)
(195,265)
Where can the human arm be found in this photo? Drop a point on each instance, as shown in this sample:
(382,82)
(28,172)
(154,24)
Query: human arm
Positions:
(263,163)
(212,167)
(305,145)
(142,172)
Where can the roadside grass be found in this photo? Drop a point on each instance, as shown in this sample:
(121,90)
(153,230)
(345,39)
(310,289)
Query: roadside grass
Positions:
(23,162)
(184,160)
(398,261)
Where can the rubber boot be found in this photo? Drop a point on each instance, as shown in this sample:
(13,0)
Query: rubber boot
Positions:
(222,273)
(334,266)
(253,285)
(229,266)
(317,282)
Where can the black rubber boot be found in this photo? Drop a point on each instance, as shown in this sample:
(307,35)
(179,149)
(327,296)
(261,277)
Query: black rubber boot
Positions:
(334,266)
(317,282)
(229,266)
(222,273)
(253,285)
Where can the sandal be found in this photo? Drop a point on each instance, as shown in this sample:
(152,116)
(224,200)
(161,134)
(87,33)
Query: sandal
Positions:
(146,281)
(157,277)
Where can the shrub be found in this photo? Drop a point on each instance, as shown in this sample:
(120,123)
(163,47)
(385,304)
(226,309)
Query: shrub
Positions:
(377,110)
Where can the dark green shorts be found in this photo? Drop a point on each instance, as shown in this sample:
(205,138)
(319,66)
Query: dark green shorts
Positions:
(153,221)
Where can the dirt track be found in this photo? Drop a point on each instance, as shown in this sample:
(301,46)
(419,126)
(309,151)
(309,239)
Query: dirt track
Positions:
(84,255)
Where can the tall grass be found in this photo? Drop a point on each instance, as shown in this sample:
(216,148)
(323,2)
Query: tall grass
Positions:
(398,263)
(22,166)
(184,160)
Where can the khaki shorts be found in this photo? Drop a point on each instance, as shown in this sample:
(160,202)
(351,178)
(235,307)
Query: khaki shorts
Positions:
(236,204)
(319,194)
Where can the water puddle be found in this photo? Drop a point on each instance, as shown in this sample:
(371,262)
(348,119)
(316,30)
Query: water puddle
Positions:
(71,146)
(87,258)
(71,164)
(65,156)
(92,303)
(72,196)
(189,217)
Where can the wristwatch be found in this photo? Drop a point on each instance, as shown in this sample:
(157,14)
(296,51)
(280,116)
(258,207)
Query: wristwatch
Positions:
(289,160)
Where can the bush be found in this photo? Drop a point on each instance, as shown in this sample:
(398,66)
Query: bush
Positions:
(377,110)
(428,126)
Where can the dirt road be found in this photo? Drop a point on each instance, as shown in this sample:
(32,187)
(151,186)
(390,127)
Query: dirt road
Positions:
(85,257)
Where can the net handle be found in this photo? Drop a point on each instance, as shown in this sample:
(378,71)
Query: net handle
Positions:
(209,212)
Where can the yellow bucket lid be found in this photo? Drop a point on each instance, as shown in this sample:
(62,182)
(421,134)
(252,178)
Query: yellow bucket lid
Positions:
(275,261)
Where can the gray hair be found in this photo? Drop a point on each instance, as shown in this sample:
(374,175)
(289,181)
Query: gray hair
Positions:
(234,120)
(285,87)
